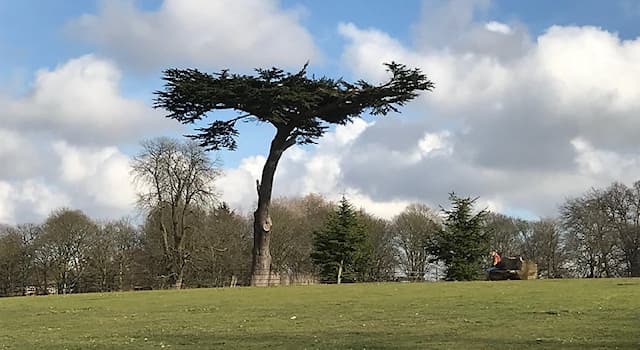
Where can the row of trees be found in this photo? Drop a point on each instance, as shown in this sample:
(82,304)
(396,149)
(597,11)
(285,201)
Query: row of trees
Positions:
(596,235)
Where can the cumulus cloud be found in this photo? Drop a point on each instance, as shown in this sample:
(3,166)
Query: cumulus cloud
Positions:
(527,121)
(306,170)
(17,154)
(521,121)
(101,176)
(94,179)
(80,99)
(58,142)
(29,200)
(457,25)
(210,34)
(238,185)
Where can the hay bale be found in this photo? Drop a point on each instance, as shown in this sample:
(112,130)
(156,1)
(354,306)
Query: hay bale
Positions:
(528,271)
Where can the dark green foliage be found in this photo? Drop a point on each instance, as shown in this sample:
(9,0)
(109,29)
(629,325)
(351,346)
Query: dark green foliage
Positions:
(363,256)
(463,243)
(338,248)
(302,106)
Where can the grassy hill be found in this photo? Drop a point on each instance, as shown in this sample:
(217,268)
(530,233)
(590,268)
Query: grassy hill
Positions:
(543,314)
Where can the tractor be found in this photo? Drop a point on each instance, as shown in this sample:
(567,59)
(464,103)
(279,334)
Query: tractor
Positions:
(513,268)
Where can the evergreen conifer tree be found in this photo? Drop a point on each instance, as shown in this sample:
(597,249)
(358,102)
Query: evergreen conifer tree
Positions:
(463,242)
(338,246)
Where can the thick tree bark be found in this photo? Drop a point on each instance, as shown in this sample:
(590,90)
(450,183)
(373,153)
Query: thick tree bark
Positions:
(261,262)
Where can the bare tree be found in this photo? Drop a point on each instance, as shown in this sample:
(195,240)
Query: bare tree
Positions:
(111,254)
(175,179)
(590,235)
(413,229)
(546,248)
(294,222)
(507,235)
(221,249)
(622,205)
(65,244)
(383,255)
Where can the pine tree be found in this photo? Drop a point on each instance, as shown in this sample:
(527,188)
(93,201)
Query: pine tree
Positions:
(338,247)
(463,242)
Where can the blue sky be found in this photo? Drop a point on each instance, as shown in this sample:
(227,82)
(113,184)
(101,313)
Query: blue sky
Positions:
(534,100)
(32,32)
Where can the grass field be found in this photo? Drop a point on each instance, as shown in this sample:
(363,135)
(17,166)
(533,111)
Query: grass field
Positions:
(543,314)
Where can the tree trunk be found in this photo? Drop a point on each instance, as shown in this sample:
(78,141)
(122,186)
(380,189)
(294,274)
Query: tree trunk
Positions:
(103,281)
(120,276)
(261,256)
(179,279)
(634,263)
(45,281)
(261,262)
(340,271)
(179,267)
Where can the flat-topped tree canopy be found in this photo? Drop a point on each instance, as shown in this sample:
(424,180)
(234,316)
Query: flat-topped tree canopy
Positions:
(300,105)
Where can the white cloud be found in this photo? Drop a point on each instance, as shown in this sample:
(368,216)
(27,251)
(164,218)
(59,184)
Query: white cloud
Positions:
(41,197)
(590,68)
(527,123)
(613,166)
(383,209)
(80,100)
(522,122)
(238,185)
(302,171)
(498,27)
(6,205)
(17,154)
(432,145)
(375,43)
(102,175)
(26,200)
(95,180)
(58,142)
(231,33)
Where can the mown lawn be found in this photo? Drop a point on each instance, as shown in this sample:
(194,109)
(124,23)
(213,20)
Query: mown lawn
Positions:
(543,314)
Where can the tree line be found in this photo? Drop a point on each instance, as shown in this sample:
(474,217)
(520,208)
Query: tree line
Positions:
(188,239)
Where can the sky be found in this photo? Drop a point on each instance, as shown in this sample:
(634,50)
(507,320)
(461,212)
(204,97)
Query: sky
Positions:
(535,101)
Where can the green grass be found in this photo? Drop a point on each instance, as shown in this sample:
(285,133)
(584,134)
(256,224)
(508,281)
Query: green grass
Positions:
(550,314)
